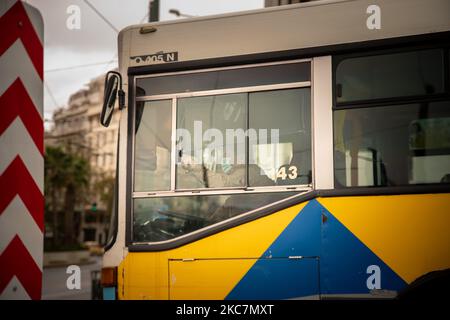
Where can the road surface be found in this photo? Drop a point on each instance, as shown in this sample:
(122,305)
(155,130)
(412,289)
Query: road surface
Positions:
(54,282)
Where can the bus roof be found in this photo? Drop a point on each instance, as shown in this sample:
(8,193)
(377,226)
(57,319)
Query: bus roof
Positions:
(301,26)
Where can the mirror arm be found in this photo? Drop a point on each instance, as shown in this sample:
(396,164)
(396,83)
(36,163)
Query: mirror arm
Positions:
(120,93)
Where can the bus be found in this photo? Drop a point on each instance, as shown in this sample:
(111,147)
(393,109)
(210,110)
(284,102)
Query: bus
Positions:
(295,152)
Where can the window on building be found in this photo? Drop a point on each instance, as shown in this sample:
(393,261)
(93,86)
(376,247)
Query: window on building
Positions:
(89,234)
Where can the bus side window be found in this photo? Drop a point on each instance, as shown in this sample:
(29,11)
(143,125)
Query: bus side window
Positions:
(400,145)
(211,159)
(165,218)
(153,146)
(391,124)
(284,157)
(390,75)
(429,145)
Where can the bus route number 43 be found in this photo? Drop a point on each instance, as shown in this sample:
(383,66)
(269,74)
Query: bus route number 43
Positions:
(290,173)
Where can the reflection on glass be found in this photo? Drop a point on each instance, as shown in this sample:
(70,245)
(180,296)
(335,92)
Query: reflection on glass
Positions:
(283,158)
(390,75)
(153,145)
(392,146)
(159,219)
(224,79)
(208,155)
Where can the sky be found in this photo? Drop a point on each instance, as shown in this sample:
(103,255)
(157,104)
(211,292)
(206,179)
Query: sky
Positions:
(96,42)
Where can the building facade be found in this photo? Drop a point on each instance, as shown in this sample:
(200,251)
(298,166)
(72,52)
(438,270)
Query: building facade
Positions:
(77,130)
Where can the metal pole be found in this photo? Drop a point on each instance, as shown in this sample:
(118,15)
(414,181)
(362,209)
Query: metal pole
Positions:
(153,8)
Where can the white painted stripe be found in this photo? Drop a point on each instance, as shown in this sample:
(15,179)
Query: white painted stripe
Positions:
(17,141)
(36,20)
(33,14)
(14,291)
(15,63)
(16,220)
(5,5)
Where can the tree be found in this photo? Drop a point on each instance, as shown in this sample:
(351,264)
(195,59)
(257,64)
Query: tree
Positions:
(54,174)
(66,177)
(104,188)
(76,183)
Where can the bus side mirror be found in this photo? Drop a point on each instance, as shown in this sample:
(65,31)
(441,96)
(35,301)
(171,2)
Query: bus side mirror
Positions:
(113,87)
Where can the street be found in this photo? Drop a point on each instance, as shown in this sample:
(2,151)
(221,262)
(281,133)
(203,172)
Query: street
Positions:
(54,282)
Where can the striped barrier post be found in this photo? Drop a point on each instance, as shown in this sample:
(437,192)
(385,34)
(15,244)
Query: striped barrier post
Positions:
(21,151)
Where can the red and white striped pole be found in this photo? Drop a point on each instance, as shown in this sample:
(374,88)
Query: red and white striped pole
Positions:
(21,150)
